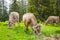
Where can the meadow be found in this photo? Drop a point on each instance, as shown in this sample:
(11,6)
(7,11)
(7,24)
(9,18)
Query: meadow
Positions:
(18,32)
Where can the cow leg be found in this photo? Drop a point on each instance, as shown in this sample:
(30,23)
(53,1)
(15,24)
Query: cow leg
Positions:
(9,25)
(26,27)
(17,20)
(15,23)
(57,21)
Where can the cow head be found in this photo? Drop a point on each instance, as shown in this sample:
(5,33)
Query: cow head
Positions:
(36,29)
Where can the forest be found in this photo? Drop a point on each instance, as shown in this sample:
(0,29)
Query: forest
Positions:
(42,9)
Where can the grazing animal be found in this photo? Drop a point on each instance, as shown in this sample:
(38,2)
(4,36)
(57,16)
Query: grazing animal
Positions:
(29,19)
(52,19)
(13,18)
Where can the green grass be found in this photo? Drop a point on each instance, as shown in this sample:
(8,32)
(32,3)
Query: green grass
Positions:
(18,32)
(50,29)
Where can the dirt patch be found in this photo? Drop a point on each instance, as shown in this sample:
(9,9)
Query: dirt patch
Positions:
(52,37)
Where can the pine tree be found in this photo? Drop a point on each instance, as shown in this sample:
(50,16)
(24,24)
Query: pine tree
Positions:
(14,7)
(44,8)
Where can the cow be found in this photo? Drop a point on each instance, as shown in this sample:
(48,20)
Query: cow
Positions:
(13,18)
(30,19)
(52,19)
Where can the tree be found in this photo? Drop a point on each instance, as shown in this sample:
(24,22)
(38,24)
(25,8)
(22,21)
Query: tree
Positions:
(14,6)
(36,7)
(44,8)
(19,7)
(3,11)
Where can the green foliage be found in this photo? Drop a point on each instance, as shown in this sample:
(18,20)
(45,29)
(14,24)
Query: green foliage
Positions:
(18,6)
(3,11)
(4,15)
(44,8)
(14,7)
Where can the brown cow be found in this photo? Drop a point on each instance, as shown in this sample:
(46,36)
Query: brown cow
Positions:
(13,18)
(52,19)
(29,19)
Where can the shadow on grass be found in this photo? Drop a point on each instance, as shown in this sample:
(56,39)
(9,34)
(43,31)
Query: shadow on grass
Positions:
(58,31)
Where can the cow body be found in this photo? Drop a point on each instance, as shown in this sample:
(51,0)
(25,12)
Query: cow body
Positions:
(52,19)
(13,18)
(29,19)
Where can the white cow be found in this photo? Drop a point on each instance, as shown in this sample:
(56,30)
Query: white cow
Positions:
(52,19)
(30,19)
(13,18)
